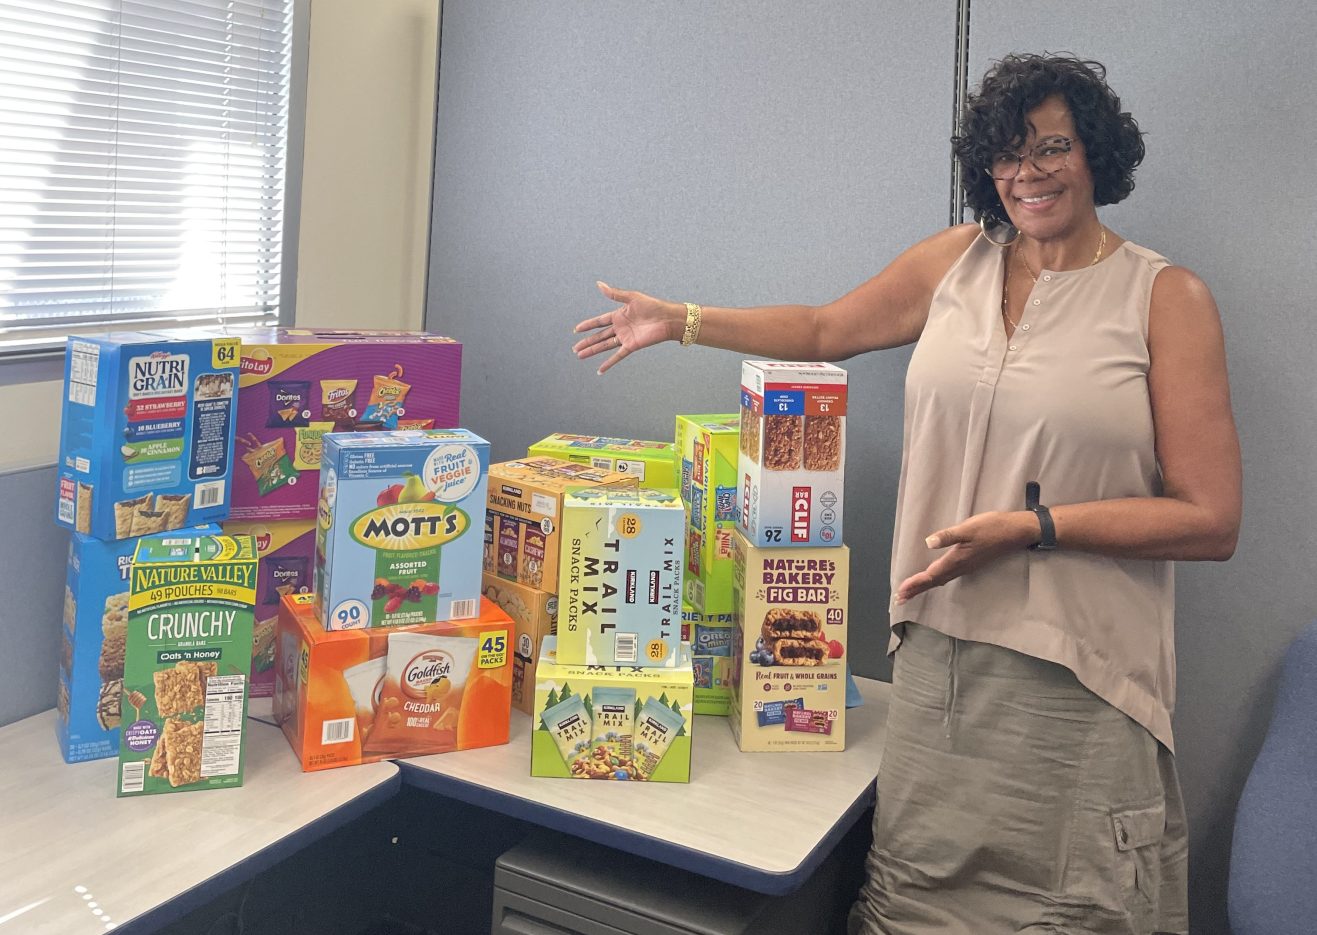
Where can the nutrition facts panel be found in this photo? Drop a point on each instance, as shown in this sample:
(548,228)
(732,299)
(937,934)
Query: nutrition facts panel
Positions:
(221,745)
(84,359)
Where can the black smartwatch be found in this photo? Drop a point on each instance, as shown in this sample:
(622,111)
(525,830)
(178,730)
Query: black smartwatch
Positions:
(1031,494)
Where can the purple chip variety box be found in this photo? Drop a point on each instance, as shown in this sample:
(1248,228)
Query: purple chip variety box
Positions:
(296,386)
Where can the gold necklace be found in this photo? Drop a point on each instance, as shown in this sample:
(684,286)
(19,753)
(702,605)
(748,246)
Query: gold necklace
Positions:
(1006,281)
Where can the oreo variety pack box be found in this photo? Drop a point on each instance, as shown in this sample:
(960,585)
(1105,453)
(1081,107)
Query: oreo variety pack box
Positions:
(711,638)
(299,385)
(146,438)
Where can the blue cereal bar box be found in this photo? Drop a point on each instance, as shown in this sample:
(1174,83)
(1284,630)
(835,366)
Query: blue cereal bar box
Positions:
(619,578)
(146,441)
(400,527)
(93,640)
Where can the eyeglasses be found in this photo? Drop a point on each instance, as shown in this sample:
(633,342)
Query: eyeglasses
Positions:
(1049,156)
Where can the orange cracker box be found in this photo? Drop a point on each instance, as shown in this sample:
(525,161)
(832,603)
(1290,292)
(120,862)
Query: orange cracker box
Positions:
(347,697)
(535,614)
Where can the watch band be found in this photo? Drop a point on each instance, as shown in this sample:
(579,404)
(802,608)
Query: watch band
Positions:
(1032,493)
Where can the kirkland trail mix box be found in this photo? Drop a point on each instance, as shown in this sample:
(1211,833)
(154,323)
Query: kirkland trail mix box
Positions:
(146,440)
(653,464)
(187,666)
(299,385)
(707,446)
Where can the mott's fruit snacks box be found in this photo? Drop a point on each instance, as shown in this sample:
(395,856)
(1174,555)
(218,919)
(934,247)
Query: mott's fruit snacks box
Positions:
(398,535)
(348,697)
(187,665)
(534,614)
(93,643)
(146,438)
(788,687)
(619,582)
(711,637)
(525,515)
(708,446)
(298,385)
(793,429)
(611,722)
(286,550)
(654,464)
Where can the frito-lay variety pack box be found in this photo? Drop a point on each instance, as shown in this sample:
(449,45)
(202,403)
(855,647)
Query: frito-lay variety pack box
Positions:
(398,531)
(298,385)
(146,439)
(525,515)
(788,660)
(707,446)
(793,430)
(654,464)
(611,722)
(711,637)
(347,697)
(286,549)
(619,580)
(534,613)
(93,642)
(187,663)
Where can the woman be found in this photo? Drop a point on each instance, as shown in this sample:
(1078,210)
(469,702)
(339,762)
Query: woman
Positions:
(1028,783)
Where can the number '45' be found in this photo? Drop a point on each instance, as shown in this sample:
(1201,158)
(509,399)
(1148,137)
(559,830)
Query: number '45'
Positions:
(494,644)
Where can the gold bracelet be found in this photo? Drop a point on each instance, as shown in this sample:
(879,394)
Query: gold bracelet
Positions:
(693,313)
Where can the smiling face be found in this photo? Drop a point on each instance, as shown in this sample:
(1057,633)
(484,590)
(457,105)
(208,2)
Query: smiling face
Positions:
(1043,206)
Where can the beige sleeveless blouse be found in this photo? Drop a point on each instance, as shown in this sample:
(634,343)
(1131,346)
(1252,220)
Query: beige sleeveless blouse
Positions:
(1065,402)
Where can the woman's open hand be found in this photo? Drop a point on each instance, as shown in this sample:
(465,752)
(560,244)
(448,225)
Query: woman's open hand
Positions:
(969,546)
(640,322)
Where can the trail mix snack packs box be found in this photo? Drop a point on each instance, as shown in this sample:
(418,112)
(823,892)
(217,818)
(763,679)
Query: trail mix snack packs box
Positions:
(525,515)
(187,663)
(398,534)
(534,614)
(299,385)
(653,464)
(711,638)
(708,446)
(793,430)
(619,582)
(93,643)
(146,437)
(611,722)
(788,688)
(286,550)
(348,697)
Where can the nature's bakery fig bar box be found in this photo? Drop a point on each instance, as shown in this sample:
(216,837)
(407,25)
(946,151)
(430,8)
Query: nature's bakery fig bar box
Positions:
(185,681)
(146,439)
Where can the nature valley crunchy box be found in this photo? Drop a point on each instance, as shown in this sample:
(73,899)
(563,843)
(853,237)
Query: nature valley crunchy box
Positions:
(653,464)
(535,615)
(187,663)
(707,446)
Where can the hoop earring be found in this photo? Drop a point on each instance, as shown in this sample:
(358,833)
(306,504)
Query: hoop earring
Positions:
(997,234)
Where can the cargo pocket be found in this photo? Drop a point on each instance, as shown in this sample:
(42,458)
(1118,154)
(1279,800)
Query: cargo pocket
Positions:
(1138,835)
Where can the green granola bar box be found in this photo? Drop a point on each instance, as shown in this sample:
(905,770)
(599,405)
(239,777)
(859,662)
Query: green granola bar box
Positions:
(187,666)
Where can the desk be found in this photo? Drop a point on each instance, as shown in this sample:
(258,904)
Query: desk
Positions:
(71,849)
(762,821)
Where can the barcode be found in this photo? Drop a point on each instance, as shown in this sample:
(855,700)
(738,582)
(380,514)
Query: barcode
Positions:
(460,610)
(133,777)
(339,731)
(625,646)
(211,494)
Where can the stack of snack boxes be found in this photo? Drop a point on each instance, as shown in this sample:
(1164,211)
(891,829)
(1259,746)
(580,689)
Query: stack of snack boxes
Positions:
(790,569)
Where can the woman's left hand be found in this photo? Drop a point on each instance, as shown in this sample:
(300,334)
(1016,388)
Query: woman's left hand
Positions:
(971,545)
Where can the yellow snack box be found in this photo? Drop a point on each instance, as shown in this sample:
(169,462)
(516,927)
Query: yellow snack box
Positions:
(653,464)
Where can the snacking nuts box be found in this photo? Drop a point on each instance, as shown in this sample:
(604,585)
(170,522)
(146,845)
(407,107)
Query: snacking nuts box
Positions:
(793,429)
(708,446)
(534,615)
(653,464)
(619,582)
(187,664)
(146,438)
(299,385)
(348,697)
(788,678)
(398,534)
(611,722)
(711,638)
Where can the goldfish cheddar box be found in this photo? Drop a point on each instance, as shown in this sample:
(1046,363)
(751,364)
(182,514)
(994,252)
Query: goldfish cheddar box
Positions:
(707,445)
(399,531)
(348,697)
(653,464)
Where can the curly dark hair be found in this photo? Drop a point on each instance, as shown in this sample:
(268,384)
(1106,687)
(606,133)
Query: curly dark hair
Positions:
(993,122)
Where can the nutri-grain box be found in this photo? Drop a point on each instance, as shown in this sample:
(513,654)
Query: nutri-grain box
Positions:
(299,385)
(187,664)
(793,432)
(788,677)
(146,440)
(534,613)
(398,533)
(619,580)
(707,445)
(711,638)
(654,464)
